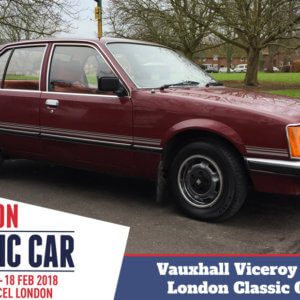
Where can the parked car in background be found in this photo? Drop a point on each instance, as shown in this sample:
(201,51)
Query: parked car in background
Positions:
(144,110)
(212,70)
(240,68)
(224,70)
(275,69)
(205,66)
(209,68)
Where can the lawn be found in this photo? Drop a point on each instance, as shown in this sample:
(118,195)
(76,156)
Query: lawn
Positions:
(286,84)
(295,93)
(263,77)
(21,77)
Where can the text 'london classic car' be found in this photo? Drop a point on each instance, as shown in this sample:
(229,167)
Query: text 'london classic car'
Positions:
(140,109)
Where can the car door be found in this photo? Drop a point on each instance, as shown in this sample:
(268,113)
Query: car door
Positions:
(79,124)
(20,72)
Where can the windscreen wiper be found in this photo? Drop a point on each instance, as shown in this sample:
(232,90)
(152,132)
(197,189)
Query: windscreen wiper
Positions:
(214,83)
(182,83)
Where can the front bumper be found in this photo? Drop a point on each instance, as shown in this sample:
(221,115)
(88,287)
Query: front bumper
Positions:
(282,167)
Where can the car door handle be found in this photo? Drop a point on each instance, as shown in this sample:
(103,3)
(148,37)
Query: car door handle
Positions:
(52,103)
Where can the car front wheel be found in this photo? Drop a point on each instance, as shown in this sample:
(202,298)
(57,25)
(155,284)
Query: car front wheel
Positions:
(208,180)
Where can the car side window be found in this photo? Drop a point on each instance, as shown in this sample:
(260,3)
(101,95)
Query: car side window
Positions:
(24,69)
(76,69)
(3,62)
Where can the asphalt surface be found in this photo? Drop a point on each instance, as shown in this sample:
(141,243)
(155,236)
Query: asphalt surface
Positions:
(266,224)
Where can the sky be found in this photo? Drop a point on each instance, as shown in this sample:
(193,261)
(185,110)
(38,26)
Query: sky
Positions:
(86,26)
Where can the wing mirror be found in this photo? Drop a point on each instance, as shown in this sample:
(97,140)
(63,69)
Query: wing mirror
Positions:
(111,84)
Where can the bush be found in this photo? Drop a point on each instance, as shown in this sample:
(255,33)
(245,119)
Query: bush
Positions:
(296,66)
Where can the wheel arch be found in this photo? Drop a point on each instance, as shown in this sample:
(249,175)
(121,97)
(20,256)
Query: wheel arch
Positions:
(188,131)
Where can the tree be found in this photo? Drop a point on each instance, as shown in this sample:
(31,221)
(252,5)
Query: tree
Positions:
(256,24)
(25,19)
(166,22)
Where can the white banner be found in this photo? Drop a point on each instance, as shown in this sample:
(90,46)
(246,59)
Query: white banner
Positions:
(47,254)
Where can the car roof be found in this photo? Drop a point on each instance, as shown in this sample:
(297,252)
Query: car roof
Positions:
(104,40)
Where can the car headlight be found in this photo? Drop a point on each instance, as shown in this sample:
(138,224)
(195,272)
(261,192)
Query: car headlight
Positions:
(293,132)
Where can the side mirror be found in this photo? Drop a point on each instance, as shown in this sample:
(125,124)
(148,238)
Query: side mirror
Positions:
(111,84)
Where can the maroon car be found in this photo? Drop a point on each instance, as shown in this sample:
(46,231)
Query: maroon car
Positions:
(141,109)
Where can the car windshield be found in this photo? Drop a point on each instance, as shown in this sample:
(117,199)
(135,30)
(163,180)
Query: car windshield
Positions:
(154,67)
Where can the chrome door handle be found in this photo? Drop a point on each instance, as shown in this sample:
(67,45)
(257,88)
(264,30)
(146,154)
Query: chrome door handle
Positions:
(52,103)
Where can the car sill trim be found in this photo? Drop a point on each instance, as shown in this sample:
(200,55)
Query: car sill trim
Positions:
(283,167)
(18,132)
(147,148)
(100,142)
(83,140)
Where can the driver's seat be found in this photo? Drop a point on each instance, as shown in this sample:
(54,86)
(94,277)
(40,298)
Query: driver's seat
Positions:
(65,74)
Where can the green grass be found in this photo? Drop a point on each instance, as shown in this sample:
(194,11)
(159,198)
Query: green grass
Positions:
(92,79)
(21,77)
(285,84)
(295,93)
(262,76)
(228,76)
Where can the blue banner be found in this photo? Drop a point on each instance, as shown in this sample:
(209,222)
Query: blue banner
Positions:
(203,277)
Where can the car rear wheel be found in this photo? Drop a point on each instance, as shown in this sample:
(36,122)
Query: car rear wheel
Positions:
(208,180)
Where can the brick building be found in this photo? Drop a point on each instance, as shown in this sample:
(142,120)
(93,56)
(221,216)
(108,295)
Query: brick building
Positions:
(221,61)
(217,57)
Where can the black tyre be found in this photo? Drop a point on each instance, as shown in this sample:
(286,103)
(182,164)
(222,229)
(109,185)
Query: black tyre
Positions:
(208,180)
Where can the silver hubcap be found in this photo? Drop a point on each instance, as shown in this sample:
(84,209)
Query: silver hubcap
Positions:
(200,181)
